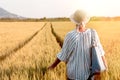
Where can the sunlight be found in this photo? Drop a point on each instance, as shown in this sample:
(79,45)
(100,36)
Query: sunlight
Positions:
(99,8)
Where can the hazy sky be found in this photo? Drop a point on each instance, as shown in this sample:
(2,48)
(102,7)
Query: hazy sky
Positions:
(61,8)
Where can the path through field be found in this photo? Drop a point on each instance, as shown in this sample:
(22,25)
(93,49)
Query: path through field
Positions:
(31,57)
(20,45)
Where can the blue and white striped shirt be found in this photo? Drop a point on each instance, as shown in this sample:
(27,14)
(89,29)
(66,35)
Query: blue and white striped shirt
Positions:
(76,53)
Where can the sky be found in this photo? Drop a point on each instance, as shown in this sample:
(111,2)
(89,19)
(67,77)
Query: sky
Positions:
(61,8)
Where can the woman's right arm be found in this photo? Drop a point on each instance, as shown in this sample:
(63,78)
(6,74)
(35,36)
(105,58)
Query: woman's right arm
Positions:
(105,62)
(101,49)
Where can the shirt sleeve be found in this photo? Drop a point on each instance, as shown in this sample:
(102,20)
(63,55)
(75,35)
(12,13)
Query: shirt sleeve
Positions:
(98,43)
(63,54)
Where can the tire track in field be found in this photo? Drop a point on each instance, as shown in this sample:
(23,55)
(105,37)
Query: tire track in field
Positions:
(21,45)
(58,38)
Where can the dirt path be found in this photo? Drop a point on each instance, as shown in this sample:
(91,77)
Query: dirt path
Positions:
(58,39)
(21,45)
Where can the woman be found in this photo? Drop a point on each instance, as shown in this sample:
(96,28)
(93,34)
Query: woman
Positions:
(76,48)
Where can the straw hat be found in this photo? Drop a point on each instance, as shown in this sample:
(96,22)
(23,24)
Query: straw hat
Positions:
(79,16)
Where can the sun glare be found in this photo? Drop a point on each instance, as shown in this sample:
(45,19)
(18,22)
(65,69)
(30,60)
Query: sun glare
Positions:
(99,8)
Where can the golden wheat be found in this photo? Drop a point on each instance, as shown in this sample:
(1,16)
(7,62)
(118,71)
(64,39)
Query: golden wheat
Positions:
(30,62)
(14,33)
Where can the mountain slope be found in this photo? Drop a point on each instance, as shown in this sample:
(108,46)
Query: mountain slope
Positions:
(6,14)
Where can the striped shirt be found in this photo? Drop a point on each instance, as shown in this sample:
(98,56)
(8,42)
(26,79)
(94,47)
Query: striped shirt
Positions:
(76,53)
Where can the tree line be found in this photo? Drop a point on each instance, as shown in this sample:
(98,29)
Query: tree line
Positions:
(56,19)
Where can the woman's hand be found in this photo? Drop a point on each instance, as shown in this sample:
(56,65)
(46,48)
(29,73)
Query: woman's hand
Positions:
(50,67)
(54,64)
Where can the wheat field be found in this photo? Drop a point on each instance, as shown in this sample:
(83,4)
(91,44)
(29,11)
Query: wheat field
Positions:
(28,48)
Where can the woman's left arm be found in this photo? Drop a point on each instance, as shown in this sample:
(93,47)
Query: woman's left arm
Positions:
(57,61)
